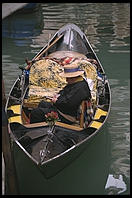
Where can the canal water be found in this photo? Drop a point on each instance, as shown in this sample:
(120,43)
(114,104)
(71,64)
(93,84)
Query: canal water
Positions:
(104,167)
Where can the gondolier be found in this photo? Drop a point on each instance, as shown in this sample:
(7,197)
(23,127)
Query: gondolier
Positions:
(67,102)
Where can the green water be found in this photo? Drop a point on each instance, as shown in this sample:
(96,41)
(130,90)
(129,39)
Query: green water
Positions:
(107,26)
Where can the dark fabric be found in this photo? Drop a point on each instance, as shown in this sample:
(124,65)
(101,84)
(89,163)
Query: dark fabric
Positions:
(38,114)
(68,102)
(71,97)
(4,118)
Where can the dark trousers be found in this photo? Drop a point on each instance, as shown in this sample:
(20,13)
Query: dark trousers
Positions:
(38,114)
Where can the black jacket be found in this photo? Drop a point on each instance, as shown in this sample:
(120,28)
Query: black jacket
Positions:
(71,97)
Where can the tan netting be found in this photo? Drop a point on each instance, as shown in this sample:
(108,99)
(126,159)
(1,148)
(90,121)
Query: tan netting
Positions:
(45,73)
(89,69)
(91,73)
(44,80)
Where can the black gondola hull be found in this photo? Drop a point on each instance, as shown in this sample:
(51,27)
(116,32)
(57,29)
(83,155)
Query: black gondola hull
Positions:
(73,39)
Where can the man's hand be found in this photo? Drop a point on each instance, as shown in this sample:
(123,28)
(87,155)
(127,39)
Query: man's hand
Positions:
(55,97)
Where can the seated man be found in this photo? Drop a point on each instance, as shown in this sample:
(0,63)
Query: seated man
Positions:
(68,100)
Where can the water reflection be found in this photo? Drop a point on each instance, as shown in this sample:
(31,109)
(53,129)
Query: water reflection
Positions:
(95,20)
(120,132)
(22,29)
(121,20)
(99,21)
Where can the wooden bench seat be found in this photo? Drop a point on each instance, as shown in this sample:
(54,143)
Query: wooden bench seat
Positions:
(73,127)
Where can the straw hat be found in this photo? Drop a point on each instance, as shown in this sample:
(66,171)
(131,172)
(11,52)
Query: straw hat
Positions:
(71,70)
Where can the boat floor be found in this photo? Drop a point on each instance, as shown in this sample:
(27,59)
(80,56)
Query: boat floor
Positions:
(35,139)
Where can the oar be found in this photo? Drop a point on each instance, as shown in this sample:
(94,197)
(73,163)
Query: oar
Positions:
(29,63)
(47,48)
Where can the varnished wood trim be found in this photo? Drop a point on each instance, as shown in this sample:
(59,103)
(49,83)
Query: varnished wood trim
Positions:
(68,126)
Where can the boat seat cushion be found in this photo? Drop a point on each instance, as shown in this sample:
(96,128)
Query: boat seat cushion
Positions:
(45,81)
(90,74)
(85,113)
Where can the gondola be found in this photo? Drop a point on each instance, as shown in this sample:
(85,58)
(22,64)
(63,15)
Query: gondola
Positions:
(54,150)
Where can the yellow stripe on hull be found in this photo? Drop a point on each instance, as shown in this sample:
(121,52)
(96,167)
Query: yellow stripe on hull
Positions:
(15,108)
(15,119)
(100,113)
(96,124)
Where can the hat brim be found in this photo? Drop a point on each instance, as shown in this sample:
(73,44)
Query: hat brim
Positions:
(71,74)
